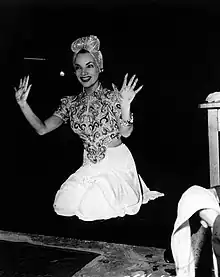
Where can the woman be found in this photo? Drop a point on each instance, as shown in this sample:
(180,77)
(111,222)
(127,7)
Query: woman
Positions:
(107,184)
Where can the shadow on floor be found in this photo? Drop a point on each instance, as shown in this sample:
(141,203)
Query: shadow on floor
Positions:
(22,259)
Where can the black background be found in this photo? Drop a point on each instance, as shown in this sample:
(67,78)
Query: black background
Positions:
(172,46)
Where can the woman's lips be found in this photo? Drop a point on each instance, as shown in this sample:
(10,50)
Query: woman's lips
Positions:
(85,79)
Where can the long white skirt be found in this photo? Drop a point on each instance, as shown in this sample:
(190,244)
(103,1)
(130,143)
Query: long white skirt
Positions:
(111,188)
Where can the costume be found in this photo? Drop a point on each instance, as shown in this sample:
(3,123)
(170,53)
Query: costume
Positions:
(192,200)
(107,184)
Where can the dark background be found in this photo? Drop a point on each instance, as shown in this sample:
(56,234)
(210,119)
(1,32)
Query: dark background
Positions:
(172,46)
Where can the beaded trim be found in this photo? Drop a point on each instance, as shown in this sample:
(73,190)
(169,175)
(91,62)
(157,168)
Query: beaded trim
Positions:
(128,122)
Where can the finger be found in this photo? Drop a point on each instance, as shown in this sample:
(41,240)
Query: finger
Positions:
(17,91)
(23,83)
(27,92)
(131,80)
(125,80)
(137,90)
(20,82)
(114,87)
(134,84)
(26,83)
(17,94)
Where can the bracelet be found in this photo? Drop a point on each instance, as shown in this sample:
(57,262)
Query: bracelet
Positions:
(126,123)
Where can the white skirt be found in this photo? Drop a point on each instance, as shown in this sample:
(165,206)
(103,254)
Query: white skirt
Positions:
(111,188)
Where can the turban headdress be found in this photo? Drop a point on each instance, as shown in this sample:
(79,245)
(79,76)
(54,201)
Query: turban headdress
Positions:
(90,44)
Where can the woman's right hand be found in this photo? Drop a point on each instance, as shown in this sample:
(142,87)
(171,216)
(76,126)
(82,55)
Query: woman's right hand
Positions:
(22,92)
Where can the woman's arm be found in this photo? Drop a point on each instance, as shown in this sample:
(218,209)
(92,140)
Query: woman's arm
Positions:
(41,128)
(126,126)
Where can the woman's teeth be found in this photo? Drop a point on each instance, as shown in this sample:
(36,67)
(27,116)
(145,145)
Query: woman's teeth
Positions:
(85,79)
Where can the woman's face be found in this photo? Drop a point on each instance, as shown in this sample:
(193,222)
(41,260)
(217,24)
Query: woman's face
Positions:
(86,69)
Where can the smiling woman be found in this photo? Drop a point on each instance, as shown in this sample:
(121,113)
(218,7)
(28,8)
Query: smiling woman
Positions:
(107,184)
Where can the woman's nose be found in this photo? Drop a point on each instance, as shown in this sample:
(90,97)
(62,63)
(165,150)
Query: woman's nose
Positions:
(84,71)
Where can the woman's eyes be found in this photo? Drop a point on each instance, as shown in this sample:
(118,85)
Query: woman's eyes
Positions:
(88,66)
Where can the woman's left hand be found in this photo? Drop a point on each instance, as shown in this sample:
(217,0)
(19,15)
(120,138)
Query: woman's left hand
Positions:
(128,91)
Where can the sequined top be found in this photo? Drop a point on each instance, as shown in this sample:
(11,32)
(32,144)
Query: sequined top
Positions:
(95,117)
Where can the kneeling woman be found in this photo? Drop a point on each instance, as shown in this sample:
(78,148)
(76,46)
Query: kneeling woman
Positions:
(107,184)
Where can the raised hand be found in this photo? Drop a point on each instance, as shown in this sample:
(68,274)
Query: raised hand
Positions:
(22,92)
(128,91)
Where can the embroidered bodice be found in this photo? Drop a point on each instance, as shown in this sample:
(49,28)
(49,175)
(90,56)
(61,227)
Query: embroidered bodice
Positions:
(95,118)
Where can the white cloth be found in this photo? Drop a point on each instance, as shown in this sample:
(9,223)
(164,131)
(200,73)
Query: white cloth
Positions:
(192,200)
(213,97)
(105,190)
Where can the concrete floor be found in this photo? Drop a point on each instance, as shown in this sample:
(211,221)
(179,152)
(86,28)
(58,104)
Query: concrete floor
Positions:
(29,255)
